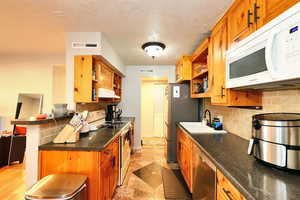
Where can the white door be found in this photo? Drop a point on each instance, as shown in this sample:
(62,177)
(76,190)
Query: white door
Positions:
(152,109)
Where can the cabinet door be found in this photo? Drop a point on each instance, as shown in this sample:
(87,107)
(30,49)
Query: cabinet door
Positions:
(83,69)
(240,20)
(225,189)
(106,180)
(106,77)
(179,69)
(219,47)
(269,9)
(115,165)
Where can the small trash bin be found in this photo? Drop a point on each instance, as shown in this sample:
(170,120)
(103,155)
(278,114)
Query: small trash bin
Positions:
(59,187)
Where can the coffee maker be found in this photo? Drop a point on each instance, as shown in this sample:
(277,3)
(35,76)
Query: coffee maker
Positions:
(113,113)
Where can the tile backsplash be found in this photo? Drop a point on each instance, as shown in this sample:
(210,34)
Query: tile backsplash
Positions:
(238,121)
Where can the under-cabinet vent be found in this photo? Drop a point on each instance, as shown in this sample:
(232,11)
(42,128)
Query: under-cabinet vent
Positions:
(85,45)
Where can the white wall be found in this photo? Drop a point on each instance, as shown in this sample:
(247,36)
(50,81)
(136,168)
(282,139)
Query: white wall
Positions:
(109,53)
(59,84)
(26,74)
(104,49)
(131,102)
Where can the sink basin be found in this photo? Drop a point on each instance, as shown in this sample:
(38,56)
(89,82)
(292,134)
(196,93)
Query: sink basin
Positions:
(200,128)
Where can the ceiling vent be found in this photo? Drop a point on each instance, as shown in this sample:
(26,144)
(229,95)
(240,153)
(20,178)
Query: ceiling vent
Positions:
(146,70)
(85,45)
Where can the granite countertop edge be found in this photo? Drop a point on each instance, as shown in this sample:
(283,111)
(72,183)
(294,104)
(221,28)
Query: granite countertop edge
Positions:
(63,147)
(38,122)
(219,166)
(49,147)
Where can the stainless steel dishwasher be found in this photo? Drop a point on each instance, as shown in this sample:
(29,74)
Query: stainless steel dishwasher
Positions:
(204,177)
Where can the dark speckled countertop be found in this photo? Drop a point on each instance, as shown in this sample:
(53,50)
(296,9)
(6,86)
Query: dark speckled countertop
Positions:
(255,180)
(92,141)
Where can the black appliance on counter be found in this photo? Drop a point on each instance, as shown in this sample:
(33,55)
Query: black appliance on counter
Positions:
(113,113)
(181,108)
(276,139)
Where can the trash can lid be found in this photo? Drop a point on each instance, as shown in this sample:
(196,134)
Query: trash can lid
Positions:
(56,186)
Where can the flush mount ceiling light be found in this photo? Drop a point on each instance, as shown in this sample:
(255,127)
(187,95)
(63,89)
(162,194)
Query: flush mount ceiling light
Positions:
(153,49)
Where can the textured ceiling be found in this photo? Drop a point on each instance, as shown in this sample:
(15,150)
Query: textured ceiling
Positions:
(37,27)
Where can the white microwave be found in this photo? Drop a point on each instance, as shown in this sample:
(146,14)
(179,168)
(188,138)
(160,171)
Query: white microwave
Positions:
(270,55)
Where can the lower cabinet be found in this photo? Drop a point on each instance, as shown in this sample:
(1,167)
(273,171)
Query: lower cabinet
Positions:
(109,170)
(187,152)
(225,190)
(184,157)
(101,168)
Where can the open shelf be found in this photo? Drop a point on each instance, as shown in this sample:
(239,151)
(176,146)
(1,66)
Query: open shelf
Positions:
(200,71)
(201,95)
(201,74)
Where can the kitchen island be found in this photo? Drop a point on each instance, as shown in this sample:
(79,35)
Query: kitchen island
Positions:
(253,179)
(38,132)
(95,155)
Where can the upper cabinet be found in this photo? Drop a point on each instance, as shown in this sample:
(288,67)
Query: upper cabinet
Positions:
(92,73)
(218,50)
(84,79)
(240,20)
(219,94)
(269,9)
(105,75)
(246,16)
(205,68)
(183,69)
(201,79)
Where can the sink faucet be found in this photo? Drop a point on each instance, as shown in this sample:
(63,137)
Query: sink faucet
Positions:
(208,123)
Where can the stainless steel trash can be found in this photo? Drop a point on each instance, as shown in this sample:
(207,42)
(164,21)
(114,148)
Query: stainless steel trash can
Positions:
(59,187)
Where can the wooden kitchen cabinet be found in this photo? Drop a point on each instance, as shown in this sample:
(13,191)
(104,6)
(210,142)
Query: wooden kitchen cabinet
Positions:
(240,20)
(183,69)
(246,16)
(189,155)
(106,77)
(109,170)
(269,9)
(101,168)
(201,74)
(184,157)
(225,189)
(219,94)
(92,72)
(83,79)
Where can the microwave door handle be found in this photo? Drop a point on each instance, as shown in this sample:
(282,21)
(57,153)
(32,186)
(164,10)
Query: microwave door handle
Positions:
(269,53)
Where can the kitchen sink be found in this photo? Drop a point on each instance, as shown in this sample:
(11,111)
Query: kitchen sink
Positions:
(200,128)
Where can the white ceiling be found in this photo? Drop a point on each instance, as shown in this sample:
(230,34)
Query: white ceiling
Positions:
(37,27)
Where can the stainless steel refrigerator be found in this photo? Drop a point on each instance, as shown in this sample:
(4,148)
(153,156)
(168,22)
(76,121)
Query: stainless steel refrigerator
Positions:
(181,108)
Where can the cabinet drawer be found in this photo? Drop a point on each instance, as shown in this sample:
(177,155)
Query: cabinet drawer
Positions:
(226,190)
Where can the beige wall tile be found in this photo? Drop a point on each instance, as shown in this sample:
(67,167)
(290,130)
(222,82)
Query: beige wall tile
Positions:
(238,121)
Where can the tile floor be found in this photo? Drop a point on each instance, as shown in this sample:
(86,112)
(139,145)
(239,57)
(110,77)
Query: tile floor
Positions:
(143,180)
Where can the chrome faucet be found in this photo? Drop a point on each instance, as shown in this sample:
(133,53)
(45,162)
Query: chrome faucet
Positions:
(208,122)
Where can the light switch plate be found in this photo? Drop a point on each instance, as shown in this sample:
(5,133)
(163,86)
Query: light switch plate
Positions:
(176,91)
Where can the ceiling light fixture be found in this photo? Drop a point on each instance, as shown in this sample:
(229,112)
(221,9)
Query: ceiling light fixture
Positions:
(153,49)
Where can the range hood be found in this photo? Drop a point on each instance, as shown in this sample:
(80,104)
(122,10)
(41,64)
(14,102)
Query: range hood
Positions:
(106,93)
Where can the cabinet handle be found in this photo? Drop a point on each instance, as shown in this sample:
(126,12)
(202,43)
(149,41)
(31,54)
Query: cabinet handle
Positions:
(256,17)
(114,161)
(222,93)
(228,194)
(249,18)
